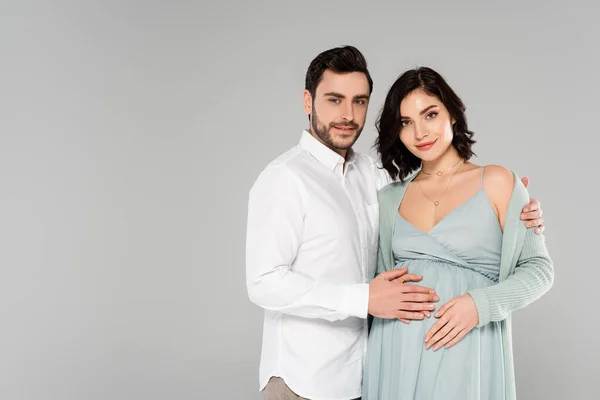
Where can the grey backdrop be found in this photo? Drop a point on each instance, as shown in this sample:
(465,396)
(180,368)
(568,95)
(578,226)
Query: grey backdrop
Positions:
(131,132)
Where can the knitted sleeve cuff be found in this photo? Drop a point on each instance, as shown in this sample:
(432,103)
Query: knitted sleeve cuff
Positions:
(483,306)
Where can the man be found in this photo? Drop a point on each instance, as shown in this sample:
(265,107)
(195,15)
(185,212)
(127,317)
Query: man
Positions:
(312,243)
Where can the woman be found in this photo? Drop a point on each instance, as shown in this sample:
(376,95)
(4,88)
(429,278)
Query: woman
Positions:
(457,225)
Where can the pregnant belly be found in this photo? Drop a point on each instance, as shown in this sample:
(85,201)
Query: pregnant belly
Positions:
(447,279)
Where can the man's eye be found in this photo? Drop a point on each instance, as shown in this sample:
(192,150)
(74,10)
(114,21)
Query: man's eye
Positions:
(336,101)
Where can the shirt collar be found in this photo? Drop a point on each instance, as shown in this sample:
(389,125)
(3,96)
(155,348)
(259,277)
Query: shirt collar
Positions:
(324,154)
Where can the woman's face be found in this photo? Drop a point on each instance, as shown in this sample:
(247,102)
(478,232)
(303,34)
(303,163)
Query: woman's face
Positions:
(426,128)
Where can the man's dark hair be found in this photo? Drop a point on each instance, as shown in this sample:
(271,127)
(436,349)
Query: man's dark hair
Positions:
(339,60)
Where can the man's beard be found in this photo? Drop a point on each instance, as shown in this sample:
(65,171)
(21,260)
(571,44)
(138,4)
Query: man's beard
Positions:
(323,133)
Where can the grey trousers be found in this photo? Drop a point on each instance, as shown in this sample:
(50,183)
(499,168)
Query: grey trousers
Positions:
(276,389)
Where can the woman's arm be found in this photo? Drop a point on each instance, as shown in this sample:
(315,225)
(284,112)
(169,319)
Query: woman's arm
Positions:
(534,272)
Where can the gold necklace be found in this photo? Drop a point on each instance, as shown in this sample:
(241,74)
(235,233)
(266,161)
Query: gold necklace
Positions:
(439,173)
(437,202)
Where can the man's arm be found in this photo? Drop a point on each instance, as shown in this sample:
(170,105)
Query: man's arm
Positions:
(274,235)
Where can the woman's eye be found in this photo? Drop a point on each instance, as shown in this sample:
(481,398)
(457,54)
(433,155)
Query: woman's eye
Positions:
(432,115)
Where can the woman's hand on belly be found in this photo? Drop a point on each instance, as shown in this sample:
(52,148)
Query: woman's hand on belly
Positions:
(456,318)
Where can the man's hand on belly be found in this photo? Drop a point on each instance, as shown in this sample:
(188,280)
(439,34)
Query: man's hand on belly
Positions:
(390,297)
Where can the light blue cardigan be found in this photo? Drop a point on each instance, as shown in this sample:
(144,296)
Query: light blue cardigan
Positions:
(526,270)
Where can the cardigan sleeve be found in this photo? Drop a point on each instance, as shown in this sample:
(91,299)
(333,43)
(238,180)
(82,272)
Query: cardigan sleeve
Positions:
(533,272)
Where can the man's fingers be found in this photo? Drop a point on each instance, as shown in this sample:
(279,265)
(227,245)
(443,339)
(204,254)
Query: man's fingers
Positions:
(416,289)
(535,214)
(532,206)
(540,229)
(408,278)
(420,297)
(393,274)
(534,223)
(416,306)
(409,315)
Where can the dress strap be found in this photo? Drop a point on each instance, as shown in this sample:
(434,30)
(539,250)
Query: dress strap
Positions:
(482,169)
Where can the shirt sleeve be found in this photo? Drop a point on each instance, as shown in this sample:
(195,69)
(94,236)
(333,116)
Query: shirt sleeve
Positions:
(276,210)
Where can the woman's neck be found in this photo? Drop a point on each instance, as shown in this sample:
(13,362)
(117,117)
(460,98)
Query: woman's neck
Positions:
(443,163)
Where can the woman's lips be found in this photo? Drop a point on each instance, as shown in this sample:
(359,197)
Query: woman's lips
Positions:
(426,146)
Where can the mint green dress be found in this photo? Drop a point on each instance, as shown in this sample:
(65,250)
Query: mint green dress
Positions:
(462,252)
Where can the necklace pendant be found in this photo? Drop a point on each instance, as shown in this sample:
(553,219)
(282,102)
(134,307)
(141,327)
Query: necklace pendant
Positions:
(436,203)
(439,173)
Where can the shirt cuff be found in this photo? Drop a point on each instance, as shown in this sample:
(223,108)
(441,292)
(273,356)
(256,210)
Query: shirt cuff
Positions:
(355,300)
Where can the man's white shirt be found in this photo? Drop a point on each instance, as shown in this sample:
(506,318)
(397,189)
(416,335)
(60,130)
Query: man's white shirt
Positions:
(312,238)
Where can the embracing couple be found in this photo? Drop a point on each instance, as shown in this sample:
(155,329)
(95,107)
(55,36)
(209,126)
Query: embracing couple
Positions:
(391,279)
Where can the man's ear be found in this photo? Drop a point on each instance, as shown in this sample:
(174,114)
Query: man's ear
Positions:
(307,103)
